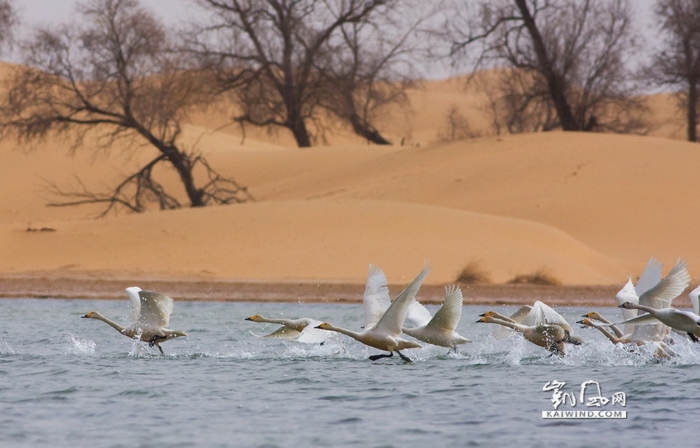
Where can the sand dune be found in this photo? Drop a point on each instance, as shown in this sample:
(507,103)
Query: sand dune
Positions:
(590,208)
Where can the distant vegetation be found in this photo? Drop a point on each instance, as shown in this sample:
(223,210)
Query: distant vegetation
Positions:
(540,277)
(473,274)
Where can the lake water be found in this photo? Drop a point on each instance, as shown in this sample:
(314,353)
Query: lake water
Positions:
(66,381)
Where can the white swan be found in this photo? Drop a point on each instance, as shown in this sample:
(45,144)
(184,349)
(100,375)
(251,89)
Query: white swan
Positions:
(685,321)
(386,333)
(654,292)
(440,329)
(538,314)
(150,315)
(551,337)
(301,330)
(663,351)
(658,297)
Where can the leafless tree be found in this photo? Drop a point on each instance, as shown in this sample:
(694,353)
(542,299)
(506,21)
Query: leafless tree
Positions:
(369,68)
(569,56)
(280,61)
(109,76)
(677,63)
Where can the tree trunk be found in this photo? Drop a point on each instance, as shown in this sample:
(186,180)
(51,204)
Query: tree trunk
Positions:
(554,83)
(692,110)
(367,131)
(183,166)
(298,128)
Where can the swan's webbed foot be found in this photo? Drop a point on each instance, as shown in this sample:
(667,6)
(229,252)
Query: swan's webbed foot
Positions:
(376,357)
(693,337)
(404,357)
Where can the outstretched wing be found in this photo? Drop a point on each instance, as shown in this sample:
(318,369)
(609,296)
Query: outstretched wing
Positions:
(133,293)
(543,314)
(284,333)
(376,299)
(650,277)
(155,309)
(628,293)
(501,332)
(447,317)
(392,321)
(418,315)
(663,293)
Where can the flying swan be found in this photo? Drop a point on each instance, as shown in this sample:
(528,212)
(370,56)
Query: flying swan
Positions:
(440,329)
(150,315)
(386,333)
(300,330)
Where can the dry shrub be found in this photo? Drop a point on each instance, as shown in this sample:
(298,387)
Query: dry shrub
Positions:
(540,277)
(472,274)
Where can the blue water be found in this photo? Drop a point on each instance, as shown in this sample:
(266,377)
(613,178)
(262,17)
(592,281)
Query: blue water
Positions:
(66,381)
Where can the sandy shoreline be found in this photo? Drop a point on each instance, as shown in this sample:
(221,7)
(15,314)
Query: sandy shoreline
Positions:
(230,291)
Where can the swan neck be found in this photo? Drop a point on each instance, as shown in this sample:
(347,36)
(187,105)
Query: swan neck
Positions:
(352,334)
(109,322)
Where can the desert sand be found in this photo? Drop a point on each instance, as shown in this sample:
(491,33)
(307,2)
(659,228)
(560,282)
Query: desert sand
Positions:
(589,209)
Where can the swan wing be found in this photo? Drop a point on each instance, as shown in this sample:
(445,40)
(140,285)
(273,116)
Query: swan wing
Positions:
(313,335)
(392,321)
(284,333)
(133,293)
(376,299)
(543,314)
(447,317)
(518,316)
(694,294)
(418,315)
(155,309)
(628,293)
(663,293)
(650,277)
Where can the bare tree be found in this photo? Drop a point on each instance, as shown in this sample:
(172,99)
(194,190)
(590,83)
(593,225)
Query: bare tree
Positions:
(113,79)
(275,57)
(677,63)
(569,56)
(369,68)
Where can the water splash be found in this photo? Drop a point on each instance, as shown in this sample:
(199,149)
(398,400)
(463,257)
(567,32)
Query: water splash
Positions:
(80,347)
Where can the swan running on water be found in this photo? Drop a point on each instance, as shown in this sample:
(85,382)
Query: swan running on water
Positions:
(386,333)
(301,330)
(150,315)
(533,316)
(440,329)
(551,337)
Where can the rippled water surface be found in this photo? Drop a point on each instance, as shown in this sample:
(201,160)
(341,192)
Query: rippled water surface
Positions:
(66,381)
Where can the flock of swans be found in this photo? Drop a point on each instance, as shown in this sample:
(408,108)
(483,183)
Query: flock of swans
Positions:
(648,318)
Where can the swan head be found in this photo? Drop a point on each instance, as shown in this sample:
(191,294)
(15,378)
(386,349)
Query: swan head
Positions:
(324,326)
(255,318)
(586,320)
(90,315)
(488,314)
(592,315)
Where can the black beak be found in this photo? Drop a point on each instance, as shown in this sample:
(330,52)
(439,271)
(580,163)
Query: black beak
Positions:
(482,315)
(248,318)
(319,327)
(83,317)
